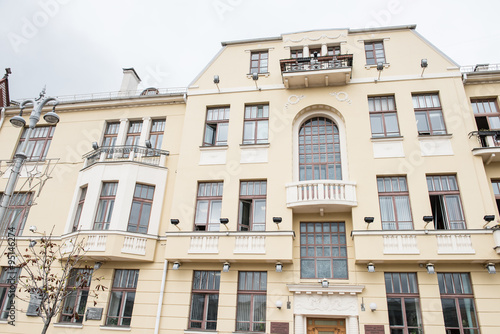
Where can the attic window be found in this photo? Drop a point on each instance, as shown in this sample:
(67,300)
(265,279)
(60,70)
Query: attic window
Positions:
(150,91)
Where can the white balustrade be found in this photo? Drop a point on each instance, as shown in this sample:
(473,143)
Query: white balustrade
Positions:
(321,190)
(454,244)
(400,244)
(250,244)
(134,245)
(96,243)
(204,244)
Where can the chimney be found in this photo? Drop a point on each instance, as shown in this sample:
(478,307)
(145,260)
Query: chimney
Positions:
(130,80)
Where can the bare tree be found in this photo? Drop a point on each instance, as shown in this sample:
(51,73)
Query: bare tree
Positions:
(46,268)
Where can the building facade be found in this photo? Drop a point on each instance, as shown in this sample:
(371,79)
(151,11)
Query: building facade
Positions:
(337,181)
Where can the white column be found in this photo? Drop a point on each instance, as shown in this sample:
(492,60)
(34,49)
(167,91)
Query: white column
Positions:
(306,51)
(122,132)
(324,49)
(146,129)
(299,324)
(352,325)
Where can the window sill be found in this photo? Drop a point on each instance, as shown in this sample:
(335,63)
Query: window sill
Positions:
(394,138)
(264,74)
(199,331)
(443,136)
(115,328)
(68,325)
(386,65)
(214,147)
(244,146)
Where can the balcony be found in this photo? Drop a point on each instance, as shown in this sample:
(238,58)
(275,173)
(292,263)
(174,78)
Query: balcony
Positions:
(230,246)
(111,245)
(480,73)
(316,71)
(489,142)
(137,154)
(321,196)
(418,246)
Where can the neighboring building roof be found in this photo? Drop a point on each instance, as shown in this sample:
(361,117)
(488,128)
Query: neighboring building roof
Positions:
(4,89)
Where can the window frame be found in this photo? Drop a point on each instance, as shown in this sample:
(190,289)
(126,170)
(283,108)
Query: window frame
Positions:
(383,114)
(445,294)
(426,111)
(411,293)
(73,287)
(206,303)
(110,134)
(259,69)
(252,198)
(306,247)
(8,281)
(257,122)
(157,132)
(79,207)
(495,184)
(215,125)
(374,60)
(443,196)
(37,136)
(125,291)
(253,292)
(24,207)
(142,202)
(201,196)
(399,182)
(110,202)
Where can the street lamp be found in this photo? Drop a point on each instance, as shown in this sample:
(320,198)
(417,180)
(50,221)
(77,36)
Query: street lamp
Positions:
(18,121)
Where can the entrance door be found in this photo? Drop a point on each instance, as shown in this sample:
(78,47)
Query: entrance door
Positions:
(325,326)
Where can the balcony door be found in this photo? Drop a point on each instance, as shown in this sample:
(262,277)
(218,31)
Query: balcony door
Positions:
(325,326)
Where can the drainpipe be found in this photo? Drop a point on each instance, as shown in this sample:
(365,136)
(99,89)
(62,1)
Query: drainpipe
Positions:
(160,300)
(2,117)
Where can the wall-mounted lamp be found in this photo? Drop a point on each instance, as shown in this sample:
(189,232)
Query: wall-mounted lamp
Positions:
(277,220)
(371,267)
(95,146)
(216,82)
(324,283)
(380,68)
(423,64)
(224,220)
(373,307)
(97,265)
(148,143)
(279,267)
(279,304)
(369,220)
(488,219)
(176,265)
(255,77)
(430,268)
(225,267)
(427,220)
(491,268)
(32,243)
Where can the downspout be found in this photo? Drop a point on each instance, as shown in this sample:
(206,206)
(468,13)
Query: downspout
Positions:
(160,300)
(2,117)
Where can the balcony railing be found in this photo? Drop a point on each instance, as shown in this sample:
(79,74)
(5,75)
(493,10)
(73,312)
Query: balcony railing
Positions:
(140,154)
(316,63)
(331,195)
(480,68)
(489,141)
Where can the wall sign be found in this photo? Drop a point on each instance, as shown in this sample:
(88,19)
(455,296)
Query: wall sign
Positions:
(374,329)
(280,327)
(94,313)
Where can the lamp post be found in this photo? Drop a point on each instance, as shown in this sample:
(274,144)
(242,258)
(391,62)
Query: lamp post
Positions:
(20,157)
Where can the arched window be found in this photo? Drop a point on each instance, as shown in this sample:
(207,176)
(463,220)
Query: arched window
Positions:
(319,150)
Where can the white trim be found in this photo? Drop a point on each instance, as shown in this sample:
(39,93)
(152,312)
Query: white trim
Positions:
(228,233)
(420,232)
(382,139)
(67,325)
(117,328)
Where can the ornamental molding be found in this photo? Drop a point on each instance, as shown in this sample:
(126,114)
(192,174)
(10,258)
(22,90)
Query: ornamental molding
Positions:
(326,304)
(312,39)
(293,100)
(341,97)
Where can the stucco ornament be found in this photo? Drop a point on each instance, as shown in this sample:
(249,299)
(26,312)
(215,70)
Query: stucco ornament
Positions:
(314,39)
(325,304)
(341,97)
(293,99)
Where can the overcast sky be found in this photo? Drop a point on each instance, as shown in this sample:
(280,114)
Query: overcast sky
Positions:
(81,46)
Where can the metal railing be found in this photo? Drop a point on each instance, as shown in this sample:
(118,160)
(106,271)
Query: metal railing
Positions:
(480,68)
(117,95)
(140,154)
(487,138)
(316,63)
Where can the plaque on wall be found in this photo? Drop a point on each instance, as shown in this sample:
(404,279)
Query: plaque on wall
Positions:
(374,329)
(280,327)
(94,313)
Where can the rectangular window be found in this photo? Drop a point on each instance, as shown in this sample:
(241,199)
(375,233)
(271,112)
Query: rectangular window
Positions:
(17,211)
(121,302)
(323,250)
(428,114)
(252,215)
(251,301)
(8,281)
(79,208)
(496,190)
(141,208)
(208,206)
(445,202)
(204,300)
(256,126)
(486,114)
(403,303)
(106,204)
(258,62)
(216,127)
(457,300)
(374,52)
(156,133)
(38,144)
(133,133)
(383,116)
(394,203)
(296,53)
(110,134)
(76,295)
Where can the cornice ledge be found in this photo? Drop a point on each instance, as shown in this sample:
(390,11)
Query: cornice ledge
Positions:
(334,288)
